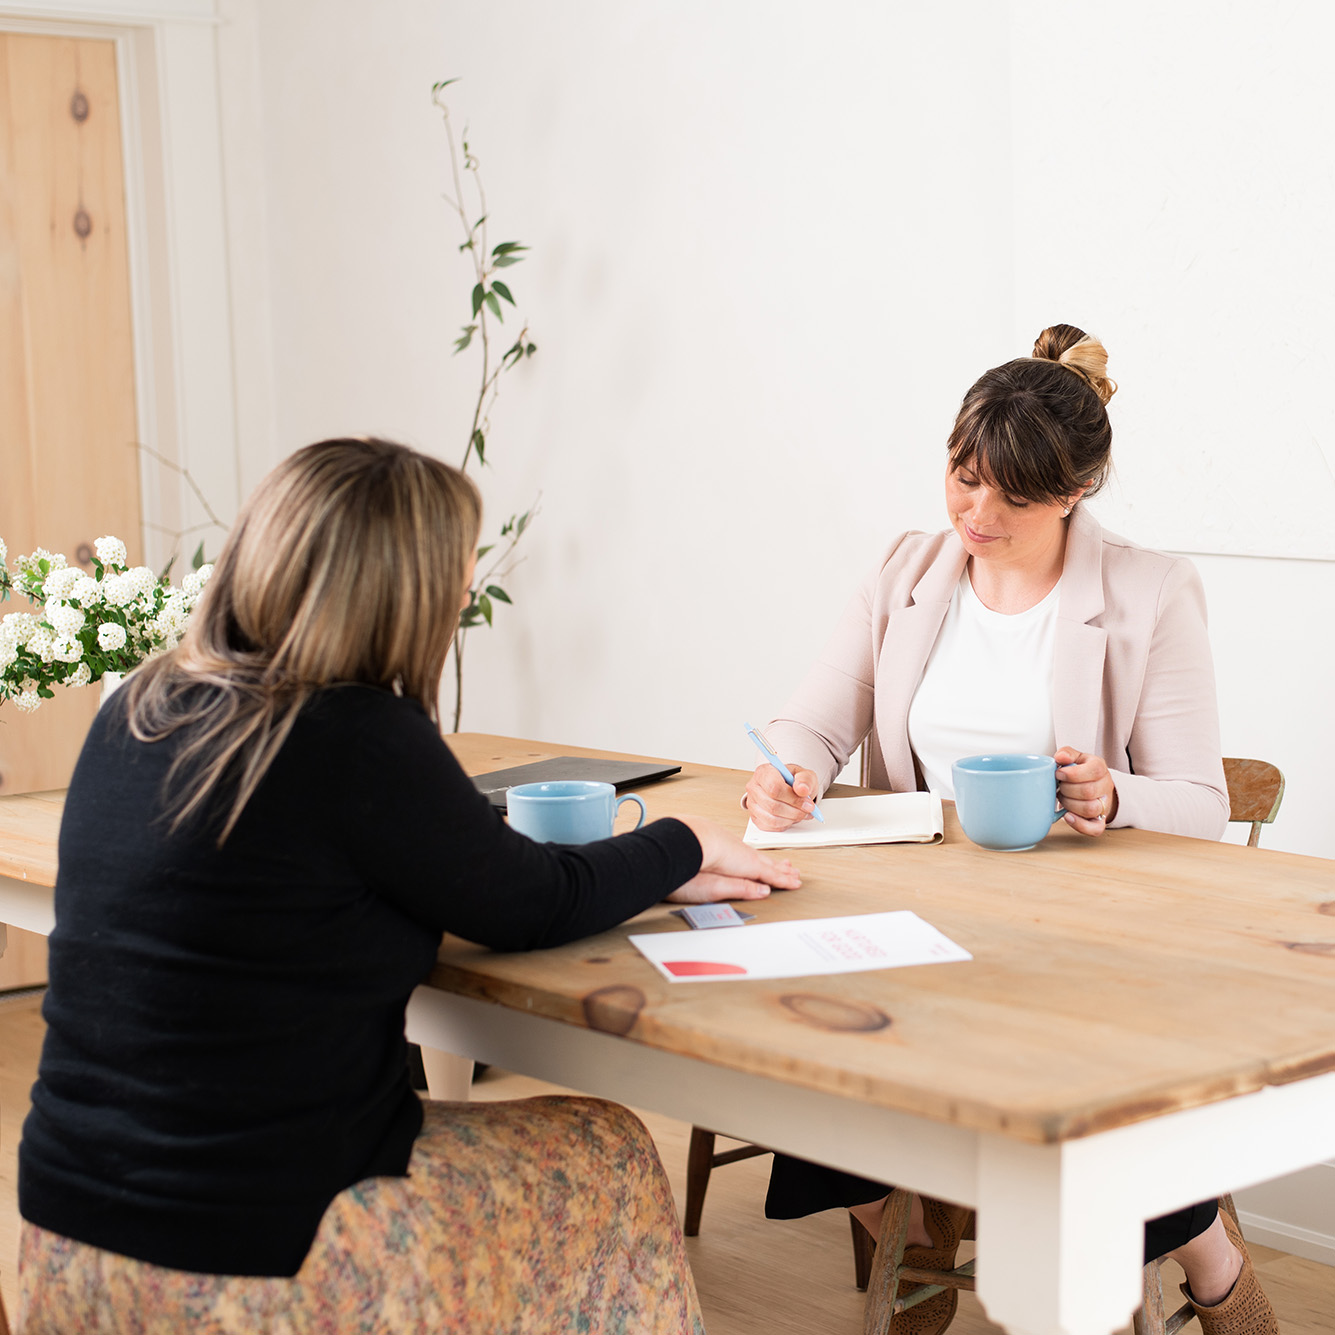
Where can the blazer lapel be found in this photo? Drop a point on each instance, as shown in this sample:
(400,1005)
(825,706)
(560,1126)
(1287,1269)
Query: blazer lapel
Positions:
(1078,655)
(910,633)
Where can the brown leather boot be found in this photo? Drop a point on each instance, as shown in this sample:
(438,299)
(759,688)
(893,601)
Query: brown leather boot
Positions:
(945,1226)
(1246,1310)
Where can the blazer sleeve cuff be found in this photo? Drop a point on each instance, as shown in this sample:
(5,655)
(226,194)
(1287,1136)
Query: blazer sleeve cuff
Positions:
(1171,806)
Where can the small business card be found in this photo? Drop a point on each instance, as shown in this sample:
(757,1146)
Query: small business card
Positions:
(713,915)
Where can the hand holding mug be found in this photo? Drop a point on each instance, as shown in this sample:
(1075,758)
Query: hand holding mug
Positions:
(1086,790)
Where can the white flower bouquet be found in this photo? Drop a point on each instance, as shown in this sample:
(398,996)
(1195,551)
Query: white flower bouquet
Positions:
(84,626)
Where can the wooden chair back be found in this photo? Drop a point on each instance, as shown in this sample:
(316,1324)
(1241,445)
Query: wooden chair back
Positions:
(1255,790)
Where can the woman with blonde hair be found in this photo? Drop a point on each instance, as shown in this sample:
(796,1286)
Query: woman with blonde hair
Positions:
(264,839)
(1023,627)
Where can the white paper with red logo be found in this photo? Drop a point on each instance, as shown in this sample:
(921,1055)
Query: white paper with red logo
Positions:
(798,949)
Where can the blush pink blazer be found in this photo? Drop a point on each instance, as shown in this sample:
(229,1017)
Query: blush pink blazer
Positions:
(1133,677)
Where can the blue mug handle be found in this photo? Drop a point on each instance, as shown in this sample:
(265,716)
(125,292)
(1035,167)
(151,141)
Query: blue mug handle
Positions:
(631,797)
(1056,797)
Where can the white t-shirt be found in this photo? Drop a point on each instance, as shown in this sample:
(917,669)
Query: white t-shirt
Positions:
(987,686)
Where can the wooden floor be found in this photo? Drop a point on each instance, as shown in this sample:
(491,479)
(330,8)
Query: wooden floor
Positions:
(755,1277)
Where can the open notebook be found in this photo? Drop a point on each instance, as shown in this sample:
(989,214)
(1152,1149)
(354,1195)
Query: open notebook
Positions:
(884,818)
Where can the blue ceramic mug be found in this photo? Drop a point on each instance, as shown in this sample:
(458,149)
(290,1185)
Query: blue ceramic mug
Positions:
(1005,802)
(566,811)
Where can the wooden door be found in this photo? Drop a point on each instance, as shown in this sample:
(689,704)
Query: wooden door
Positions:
(69,462)
(69,466)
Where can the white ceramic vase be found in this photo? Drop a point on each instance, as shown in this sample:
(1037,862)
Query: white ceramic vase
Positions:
(110,684)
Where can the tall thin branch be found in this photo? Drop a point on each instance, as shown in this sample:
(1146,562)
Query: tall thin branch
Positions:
(485,264)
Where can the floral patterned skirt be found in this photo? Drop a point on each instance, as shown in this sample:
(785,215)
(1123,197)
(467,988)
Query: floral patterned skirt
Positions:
(533,1217)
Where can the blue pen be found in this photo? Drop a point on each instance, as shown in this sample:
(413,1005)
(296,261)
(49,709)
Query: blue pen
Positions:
(767,751)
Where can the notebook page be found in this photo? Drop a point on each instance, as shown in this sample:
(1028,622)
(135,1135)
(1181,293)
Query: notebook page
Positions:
(882,818)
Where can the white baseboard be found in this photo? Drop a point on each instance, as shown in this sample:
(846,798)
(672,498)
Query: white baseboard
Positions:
(1288,1237)
(1295,1213)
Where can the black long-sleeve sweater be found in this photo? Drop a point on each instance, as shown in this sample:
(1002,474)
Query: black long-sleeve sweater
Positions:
(225,1048)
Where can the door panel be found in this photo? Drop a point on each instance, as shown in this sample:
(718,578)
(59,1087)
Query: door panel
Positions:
(69,462)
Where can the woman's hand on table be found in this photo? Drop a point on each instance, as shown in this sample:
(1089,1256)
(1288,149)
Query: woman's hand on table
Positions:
(729,869)
(773,805)
(1086,790)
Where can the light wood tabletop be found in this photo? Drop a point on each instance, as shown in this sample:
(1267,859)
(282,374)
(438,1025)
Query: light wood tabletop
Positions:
(29,830)
(1113,979)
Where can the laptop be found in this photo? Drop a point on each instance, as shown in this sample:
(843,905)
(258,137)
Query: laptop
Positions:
(620,774)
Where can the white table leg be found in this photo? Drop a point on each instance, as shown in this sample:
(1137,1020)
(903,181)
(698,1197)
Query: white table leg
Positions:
(447,1076)
(1059,1246)
(26,905)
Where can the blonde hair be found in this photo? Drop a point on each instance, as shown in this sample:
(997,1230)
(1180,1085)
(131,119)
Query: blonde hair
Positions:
(1038,426)
(347,564)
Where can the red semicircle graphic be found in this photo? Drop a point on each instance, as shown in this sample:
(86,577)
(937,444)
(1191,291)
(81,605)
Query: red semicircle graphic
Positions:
(700,968)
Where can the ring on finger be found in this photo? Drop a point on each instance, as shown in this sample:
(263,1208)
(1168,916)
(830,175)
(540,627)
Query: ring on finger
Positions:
(1103,808)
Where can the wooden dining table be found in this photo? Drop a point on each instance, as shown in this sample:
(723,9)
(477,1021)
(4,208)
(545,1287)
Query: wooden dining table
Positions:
(1146,1021)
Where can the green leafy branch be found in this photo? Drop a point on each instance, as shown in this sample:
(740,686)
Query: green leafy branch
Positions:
(488,290)
(485,592)
(485,301)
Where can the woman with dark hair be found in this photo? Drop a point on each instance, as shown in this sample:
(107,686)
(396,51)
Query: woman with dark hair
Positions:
(263,841)
(1024,627)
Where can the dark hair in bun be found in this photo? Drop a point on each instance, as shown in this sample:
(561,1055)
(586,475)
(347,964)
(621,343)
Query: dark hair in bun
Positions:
(1038,426)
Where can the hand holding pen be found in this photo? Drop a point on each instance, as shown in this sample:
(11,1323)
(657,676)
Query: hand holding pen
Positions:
(778,798)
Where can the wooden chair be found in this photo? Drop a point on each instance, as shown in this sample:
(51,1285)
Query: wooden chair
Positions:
(701,1160)
(1255,791)
(888,1268)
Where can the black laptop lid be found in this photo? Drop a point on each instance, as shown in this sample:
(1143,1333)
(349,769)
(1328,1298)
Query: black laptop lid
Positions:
(619,773)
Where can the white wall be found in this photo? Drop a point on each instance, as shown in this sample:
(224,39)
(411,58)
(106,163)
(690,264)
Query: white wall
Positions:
(771,249)
(1273,627)
(1171,175)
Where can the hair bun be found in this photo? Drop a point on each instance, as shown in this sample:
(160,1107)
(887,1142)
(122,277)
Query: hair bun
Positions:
(1079,352)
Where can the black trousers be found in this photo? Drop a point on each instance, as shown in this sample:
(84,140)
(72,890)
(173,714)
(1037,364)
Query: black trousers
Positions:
(798,1188)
